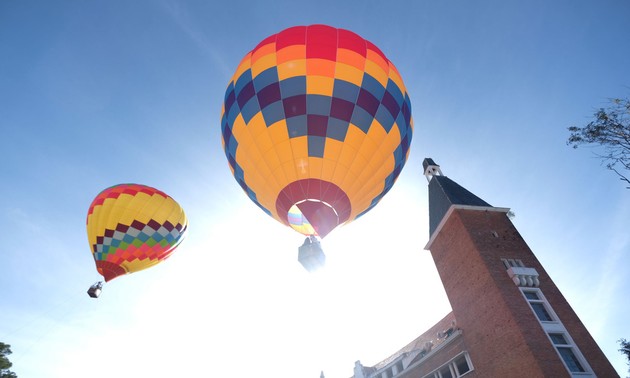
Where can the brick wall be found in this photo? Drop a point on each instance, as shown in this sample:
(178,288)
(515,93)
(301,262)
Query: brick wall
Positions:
(501,333)
(503,336)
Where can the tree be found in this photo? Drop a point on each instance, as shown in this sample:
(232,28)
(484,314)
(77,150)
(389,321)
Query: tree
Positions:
(5,364)
(609,129)
(625,349)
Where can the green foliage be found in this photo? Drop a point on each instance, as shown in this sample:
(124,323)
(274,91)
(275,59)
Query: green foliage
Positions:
(625,349)
(5,364)
(610,129)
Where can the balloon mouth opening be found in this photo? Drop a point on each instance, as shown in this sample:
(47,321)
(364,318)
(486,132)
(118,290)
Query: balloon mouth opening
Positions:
(319,211)
(313,206)
(109,270)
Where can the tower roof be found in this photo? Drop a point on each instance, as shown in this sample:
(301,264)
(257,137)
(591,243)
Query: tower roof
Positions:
(428,162)
(443,193)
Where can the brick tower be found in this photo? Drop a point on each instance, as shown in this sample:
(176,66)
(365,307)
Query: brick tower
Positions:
(514,320)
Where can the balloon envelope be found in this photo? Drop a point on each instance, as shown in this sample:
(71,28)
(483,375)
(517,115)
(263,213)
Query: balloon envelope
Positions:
(132,227)
(316,126)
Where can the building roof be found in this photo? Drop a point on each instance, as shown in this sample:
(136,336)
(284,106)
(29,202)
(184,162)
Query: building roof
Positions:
(443,193)
(417,349)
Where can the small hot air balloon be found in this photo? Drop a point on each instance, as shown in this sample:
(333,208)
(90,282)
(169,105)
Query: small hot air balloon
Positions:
(132,227)
(316,127)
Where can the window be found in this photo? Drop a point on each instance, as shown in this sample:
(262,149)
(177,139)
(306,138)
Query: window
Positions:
(558,335)
(399,366)
(455,368)
(539,305)
(531,295)
(391,371)
(445,372)
(541,311)
(557,339)
(461,364)
(566,352)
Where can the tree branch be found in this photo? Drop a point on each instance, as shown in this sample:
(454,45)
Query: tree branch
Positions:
(610,129)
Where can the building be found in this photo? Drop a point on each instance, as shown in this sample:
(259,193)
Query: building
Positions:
(508,318)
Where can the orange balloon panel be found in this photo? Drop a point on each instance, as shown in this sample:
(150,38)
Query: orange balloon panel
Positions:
(316,126)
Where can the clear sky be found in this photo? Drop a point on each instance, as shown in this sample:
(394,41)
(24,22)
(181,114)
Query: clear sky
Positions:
(96,93)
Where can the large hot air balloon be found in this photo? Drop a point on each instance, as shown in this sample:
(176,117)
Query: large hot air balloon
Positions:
(132,227)
(316,127)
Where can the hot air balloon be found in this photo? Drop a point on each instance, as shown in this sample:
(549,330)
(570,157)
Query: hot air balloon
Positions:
(316,127)
(132,227)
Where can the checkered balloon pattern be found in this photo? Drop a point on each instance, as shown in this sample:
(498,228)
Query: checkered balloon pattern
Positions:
(132,227)
(316,126)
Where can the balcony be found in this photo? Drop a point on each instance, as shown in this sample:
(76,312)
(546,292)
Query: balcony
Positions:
(527,277)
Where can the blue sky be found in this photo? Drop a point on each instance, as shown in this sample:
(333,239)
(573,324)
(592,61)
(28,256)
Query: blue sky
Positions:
(95,93)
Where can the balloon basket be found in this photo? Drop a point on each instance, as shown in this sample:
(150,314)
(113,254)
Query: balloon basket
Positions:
(95,290)
(311,255)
